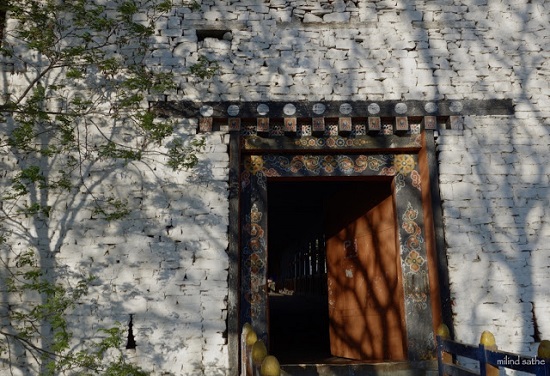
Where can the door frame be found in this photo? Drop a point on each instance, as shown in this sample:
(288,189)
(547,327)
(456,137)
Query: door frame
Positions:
(403,165)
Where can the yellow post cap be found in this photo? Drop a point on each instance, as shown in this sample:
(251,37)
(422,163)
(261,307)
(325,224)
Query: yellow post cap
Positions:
(443,331)
(487,339)
(544,349)
(251,338)
(270,366)
(259,352)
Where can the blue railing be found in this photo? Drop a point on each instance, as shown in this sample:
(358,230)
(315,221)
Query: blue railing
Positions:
(490,359)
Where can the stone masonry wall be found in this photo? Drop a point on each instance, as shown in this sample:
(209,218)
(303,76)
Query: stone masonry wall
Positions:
(164,266)
(494,182)
(167,265)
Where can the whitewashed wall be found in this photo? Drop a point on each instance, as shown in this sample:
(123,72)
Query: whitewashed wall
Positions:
(495,179)
(167,263)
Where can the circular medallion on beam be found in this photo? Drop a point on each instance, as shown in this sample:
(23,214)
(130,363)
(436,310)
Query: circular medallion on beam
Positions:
(262,109)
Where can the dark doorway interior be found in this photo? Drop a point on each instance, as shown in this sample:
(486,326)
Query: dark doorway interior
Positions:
(298,302)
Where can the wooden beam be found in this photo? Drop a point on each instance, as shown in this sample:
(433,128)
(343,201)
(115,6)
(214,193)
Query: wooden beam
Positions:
(262,125)
(234,124)
(205,124)
(233,317)
(311,109)
(430,122)
(374,125)
(290,125)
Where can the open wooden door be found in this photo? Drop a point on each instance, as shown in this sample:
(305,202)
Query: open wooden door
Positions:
(365,289)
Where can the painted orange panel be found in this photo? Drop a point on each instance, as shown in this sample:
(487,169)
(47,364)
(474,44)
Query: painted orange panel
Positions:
(364,277)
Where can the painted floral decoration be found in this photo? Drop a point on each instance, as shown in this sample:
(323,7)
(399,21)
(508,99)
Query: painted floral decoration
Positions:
(414,260)
(254,164)
(255,263)
(255,214)
(347,165)
(329,163)
(404,163)
(311,163)
(416,180)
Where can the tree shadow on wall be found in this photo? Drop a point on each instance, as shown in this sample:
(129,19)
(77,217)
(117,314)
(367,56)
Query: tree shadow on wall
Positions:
(496,198)
(152,238)
(150,265)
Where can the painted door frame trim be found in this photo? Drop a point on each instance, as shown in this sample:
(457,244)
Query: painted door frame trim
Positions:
(403,167)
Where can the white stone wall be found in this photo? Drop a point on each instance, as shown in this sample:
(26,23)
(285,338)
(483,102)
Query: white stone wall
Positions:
(378,49)
(167,264)
(494,185)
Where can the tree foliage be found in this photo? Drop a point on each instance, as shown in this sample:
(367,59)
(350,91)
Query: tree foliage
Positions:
(102,356)
(83,98)
(77,99)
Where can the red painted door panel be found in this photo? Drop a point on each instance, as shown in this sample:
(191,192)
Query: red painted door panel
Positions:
(364,277)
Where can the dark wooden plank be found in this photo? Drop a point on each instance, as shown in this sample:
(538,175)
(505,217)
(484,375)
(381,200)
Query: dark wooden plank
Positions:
(233,324)
(457,370)
(460,349)
(305,109)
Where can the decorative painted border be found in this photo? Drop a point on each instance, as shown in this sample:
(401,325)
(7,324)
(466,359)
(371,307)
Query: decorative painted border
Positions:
(254,142)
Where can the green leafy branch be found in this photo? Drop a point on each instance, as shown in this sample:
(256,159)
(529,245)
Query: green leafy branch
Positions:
(85,105)
(204,68)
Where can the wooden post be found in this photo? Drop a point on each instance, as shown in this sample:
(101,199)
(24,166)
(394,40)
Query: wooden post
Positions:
(244,332)
(444,333)
(543,353)
(488,341)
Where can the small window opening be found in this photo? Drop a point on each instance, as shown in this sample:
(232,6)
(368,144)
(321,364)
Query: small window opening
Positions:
(131,342)
(211,33)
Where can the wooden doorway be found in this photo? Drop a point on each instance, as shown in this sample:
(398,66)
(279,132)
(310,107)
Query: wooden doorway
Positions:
(410,291)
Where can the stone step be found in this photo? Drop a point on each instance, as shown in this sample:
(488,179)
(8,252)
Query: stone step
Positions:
(427,368)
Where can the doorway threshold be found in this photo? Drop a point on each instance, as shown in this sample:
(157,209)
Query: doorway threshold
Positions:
(343,367)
